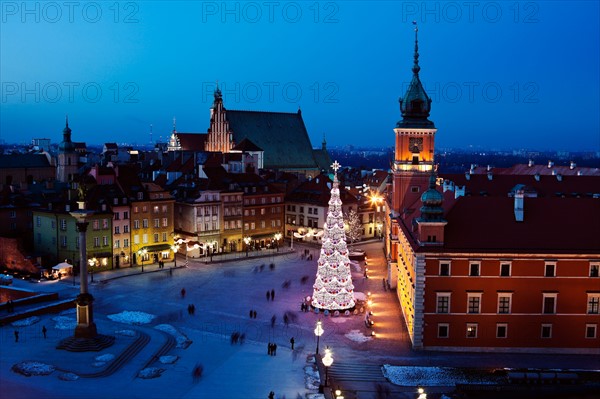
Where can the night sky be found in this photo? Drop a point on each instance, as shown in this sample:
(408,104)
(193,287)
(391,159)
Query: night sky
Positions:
(501,74)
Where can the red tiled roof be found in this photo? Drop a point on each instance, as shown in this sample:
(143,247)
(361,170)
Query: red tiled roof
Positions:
(551,225)
(192,141)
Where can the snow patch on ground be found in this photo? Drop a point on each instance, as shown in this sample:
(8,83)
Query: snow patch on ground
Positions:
(340,319)
(357,336)
(25,322)
(64,323)
(150,372)
(311,378)
(130,317)
(105,358)
(68,312)
(431,376)
(99,364)
(360,296)
(170,359)
(127,333)
(182,340)
(33,368)
(68,377)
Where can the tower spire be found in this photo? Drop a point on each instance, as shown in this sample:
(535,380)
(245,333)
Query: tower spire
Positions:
(174,124)
(416,68)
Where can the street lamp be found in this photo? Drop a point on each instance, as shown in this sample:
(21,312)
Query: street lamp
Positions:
(422,394)
(175,248)
(376,200)
(327,362)
(318,332)
(187,249)
(338,394)
(277,238)
(142,253)
(247,242)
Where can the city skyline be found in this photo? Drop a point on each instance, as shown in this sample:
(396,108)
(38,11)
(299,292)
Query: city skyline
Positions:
(115,73)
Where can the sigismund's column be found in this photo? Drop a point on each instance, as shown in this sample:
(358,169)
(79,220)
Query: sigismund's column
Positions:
(86,328)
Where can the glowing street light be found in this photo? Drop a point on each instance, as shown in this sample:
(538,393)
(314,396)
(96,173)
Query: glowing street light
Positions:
(277,237)
(175,248)
(318,332)
(327,362)
(142,253)
(247,241)
(422,394)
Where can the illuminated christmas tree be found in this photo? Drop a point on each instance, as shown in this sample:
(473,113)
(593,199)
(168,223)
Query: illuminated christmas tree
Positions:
(333,289)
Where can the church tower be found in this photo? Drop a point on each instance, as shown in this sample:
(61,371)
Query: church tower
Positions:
(415,134)
(220,136)
(66,167)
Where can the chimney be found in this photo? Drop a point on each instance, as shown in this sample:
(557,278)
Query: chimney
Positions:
(579,173)
(550,164)
(553,172)
(472,170)
(467,176)
(573,165)
(490,175)
(489,168)
(519,206)
(530,164)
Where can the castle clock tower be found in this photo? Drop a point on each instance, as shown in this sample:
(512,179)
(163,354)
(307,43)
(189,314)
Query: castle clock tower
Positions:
(415,134)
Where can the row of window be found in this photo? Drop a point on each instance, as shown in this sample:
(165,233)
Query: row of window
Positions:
(156,238)
(505,269)
(472,330)
(155,209)
(232,198)
(263,200)
(310,222)
(310,210)
(263,224)
(157,223)
(263,211)
(504,304)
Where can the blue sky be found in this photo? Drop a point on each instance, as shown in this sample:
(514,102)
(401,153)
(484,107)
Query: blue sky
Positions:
(501,74)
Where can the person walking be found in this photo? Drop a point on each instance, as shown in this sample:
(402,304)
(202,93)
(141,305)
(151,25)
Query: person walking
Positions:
(274,349)
(183,292)
(44,331)
(271,395)
(16,336)
(292,341)
(254,314)
(272,295)
(268,295)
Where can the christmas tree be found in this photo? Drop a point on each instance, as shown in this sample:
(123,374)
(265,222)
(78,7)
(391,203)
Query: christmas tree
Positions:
(333,289)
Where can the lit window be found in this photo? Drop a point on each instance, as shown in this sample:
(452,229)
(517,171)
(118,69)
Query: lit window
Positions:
(471,330)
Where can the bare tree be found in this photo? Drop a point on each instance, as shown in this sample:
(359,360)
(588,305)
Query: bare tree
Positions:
(353,226)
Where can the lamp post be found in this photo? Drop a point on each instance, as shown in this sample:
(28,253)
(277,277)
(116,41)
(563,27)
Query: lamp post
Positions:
(142,253)
(175,248)
(247,242)
(277,238)
(327,362)
(376,200)
(318,332)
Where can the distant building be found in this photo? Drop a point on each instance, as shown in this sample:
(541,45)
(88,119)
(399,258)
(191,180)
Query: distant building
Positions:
(281,136)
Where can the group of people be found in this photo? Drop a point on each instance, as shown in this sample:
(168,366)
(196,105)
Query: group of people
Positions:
(306,255)
(161,264)
(271,295)
(191,309)
(272,349)
(252,314)
(236,337)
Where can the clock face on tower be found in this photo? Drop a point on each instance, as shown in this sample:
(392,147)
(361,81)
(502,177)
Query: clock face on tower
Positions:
(415,144)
